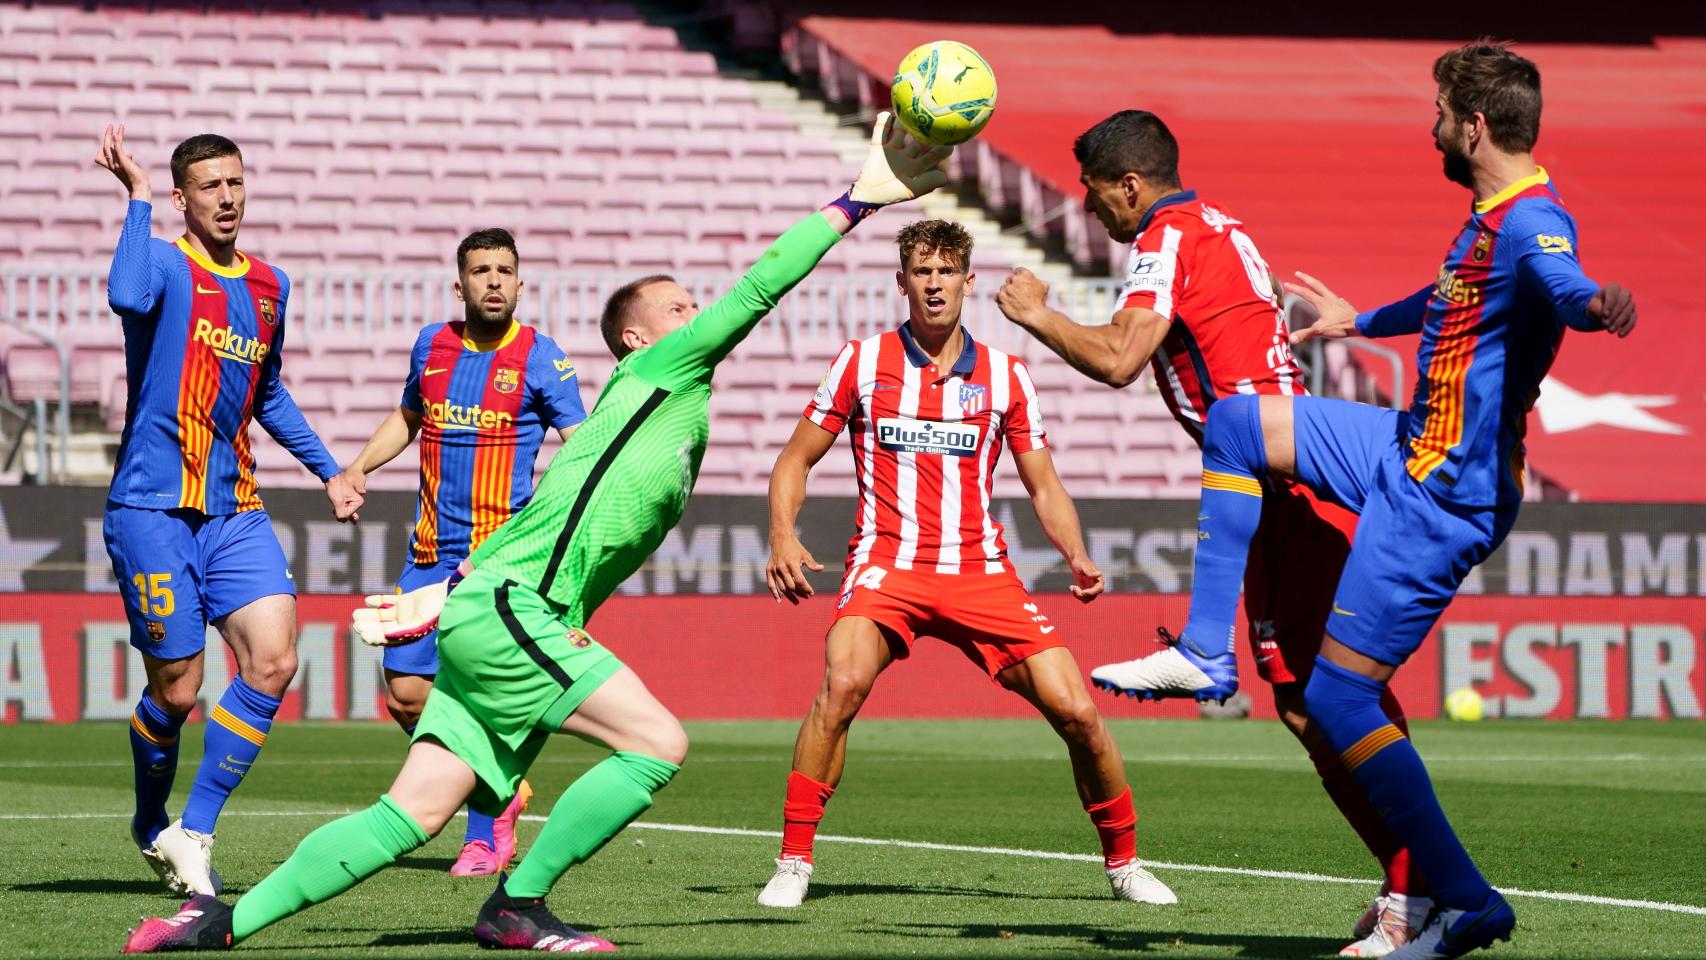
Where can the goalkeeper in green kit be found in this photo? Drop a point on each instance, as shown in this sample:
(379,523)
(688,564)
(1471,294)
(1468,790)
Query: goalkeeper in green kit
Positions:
(515,665)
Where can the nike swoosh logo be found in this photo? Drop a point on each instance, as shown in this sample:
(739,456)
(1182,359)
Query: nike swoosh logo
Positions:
(233,760)
(1048,629)
(1342,613)
(201,289)
(429,371)
(345,865)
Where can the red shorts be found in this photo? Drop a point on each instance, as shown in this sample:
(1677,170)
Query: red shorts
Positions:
(989,616)
(1293,574)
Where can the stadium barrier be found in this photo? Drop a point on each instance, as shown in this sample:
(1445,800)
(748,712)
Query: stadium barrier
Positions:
(1587,611)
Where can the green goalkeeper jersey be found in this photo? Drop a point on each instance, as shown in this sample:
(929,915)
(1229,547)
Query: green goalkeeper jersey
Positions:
(622,480)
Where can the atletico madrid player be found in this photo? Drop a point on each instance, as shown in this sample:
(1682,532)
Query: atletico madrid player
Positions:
(480,393)
(189,539)
(927,410)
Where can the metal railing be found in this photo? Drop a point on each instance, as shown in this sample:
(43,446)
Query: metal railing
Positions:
(61,428)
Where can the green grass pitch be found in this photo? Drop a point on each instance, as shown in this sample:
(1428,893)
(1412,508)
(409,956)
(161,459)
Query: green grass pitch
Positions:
(1607,810)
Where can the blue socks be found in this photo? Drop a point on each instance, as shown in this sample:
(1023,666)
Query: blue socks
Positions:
(236,730)
(1233,456)
(154,753)
(480,825)
(1346,706)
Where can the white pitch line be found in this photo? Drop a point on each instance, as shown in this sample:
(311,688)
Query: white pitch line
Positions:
(962,848)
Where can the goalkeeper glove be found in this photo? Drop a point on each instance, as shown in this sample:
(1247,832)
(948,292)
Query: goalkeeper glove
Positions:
(390,620)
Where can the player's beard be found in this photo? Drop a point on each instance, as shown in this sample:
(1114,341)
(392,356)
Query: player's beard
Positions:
(481,322)
(1456,163)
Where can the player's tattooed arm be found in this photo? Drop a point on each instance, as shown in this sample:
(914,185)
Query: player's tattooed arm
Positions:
(785,571)
(1059,518)
(1114,353)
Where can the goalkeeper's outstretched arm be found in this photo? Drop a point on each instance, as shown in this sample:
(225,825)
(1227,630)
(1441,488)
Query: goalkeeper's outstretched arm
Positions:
(897,168)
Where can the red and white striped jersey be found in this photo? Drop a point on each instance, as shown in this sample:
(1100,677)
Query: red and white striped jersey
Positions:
(1193,265)
(925,443)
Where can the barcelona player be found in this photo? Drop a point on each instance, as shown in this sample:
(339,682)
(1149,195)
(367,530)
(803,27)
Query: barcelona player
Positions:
(480,393)
(1200,307)
(514,663)
(189,540)
(927,410)
(1437,487)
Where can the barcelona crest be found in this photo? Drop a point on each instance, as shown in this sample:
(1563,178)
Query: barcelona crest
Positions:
(267,309)
(506,380)
(156,631)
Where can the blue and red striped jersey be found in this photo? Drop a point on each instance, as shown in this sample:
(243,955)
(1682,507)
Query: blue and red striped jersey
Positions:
(1491,325)
(483,411)
(201,352)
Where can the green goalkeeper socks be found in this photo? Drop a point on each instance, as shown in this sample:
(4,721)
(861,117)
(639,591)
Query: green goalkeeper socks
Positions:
(329,861)
(595,808)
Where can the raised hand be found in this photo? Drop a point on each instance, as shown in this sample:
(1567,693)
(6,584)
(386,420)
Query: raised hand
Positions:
(1614,306)
(898,167)
(1338,318)
(122,165)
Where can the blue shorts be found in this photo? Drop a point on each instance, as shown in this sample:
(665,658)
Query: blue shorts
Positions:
(421,656)
(1412,549)
(179,569)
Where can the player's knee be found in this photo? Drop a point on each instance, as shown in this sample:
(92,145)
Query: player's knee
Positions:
(177,699)
(1079,722)
(844,691)
(272,672)
(1232,437)
(1293,712)
(665,739)
(405,711)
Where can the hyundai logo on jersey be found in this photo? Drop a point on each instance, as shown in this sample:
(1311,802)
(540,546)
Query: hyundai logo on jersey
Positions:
(927,436)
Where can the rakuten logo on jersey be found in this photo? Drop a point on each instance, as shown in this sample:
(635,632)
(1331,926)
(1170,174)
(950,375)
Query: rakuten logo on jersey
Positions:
(229,344)
(927,436)
(454,416)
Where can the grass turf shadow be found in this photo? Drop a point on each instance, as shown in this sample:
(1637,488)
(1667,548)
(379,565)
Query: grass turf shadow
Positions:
(1123,940)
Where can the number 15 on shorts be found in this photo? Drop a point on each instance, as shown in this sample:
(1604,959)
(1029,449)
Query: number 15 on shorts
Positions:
(154,594)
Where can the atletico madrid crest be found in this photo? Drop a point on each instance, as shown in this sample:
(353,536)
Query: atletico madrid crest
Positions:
(974,399)
(506,380)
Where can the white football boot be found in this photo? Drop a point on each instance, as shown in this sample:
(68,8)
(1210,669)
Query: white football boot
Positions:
(1132,882)
(162,869)
(788,887)
(1177,671)
(189,856)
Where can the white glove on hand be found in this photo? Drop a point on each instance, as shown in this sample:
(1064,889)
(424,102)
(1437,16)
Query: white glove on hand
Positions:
(898,166)
(391,620)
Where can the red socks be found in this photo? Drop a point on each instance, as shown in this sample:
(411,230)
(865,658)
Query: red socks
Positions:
(801,812)
(1116,823)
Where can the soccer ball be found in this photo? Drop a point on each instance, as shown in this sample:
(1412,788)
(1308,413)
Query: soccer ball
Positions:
(1465,705)
(943,92)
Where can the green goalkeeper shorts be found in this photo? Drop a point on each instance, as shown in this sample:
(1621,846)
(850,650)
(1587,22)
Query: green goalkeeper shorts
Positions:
(510,671)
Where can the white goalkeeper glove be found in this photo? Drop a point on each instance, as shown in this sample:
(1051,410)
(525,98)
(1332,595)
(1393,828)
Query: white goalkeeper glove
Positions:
(898,166)
(393,619)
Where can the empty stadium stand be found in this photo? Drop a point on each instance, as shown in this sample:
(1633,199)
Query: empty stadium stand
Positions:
(376,138)
(1323,147)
